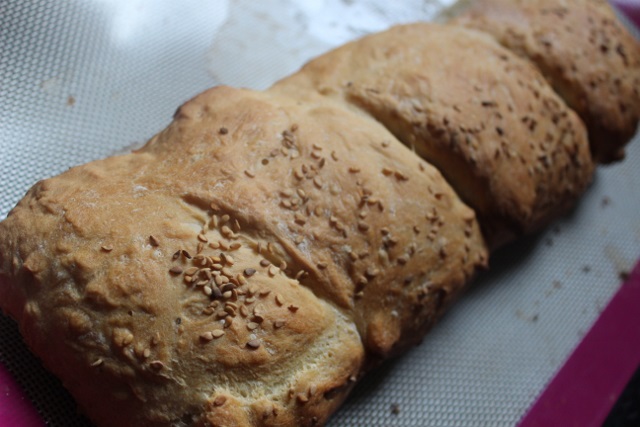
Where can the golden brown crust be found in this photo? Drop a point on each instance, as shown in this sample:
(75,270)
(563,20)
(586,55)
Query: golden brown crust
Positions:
(587,55)
(243,268)
(484,117)
(254,259)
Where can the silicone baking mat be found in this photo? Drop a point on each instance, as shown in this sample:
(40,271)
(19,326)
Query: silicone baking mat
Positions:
(82,79)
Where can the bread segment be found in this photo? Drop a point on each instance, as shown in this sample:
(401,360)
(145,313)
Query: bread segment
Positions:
(485,118)
(245,267)
(584,52)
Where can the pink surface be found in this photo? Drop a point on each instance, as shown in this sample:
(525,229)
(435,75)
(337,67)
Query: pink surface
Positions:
(15,407)
(631,8)
(585,389)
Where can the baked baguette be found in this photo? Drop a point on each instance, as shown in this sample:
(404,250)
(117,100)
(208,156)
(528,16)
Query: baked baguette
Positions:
(255,258)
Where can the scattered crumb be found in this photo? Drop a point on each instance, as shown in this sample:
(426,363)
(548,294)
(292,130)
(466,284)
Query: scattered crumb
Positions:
(557,284)
(556,229)
(624,275)
(71,101)
(548,241)
(586,268)
(605,201)
(395,408)
(534,318)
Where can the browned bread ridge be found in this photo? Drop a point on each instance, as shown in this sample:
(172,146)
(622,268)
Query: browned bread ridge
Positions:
(242,269)
(258,256)
(587,55)
(484,117)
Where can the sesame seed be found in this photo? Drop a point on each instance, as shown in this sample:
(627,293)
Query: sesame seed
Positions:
(385,144)
(217,333)
(299,219)
(219,401)
(264,292)
(354,169)
(372,272)
(317,182)
(249,300)
(107,248)
(292,308)
(252,325)
(154,242)
(207,336)
(156,364)
(146,353)
(363,226)
(176,270)
(228,321)
(273,270)
(227,272)
(279,300)
(387,171)
(299,274)
(185,254)
(265,263)
(235,246)
(227,287)
(401,176)
(207,290)
(97,362)
(214,245)
(249,173)
(278,323)
(302,398)
(244,312)
(321,265)
(253,344)
(249,272)
(223,131)
(191,271)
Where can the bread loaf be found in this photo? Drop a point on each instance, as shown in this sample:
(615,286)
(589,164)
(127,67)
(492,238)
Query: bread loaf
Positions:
(584,52)
(258,256)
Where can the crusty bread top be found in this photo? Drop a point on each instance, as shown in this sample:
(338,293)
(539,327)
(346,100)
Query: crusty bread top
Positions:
(587,55)
(484,117)
(240,269)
